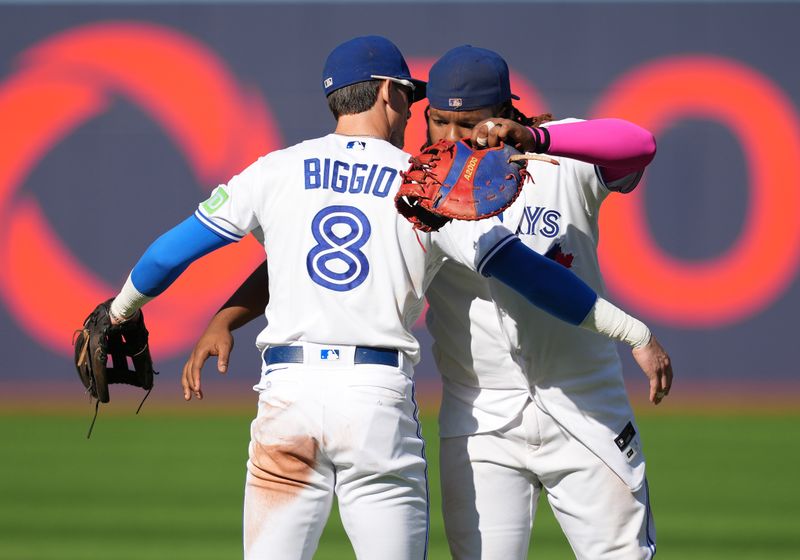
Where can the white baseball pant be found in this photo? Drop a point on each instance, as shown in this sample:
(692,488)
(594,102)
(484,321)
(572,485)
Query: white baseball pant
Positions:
(491,484)
(335,426)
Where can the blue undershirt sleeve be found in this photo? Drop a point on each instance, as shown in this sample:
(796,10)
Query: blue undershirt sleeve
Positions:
(543,282)
(172,253)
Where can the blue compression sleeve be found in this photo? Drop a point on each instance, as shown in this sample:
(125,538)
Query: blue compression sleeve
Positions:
(543,282)
(172,253)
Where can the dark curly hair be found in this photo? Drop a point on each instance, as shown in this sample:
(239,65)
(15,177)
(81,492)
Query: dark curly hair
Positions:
(508,111)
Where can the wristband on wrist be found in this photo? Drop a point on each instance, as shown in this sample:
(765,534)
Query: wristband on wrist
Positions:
(127,302)
(114,316)
(541,139)
(605,318)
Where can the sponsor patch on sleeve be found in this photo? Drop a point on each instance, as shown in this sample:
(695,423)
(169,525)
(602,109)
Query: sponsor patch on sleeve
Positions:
(215,201)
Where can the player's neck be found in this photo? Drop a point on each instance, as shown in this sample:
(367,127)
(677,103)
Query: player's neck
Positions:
(369,123)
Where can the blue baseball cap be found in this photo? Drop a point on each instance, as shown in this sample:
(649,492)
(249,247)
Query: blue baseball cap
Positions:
(368,58)
(468,78)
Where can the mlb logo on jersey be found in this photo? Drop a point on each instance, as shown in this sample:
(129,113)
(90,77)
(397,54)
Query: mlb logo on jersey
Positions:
(329,354)
(357,145)
(455,102)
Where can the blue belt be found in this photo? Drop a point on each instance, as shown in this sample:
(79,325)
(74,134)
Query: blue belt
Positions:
(363,355)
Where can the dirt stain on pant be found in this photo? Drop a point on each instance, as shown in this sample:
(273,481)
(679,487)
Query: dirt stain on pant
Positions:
(278,473)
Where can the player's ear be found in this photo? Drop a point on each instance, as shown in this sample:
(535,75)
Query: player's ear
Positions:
(386,91)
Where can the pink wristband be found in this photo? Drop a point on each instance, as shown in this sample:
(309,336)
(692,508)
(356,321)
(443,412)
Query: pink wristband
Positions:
(541,138)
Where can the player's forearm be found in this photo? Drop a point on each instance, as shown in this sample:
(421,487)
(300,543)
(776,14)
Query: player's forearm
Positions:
(162,262)
(556,290)
(232,317)
(543,282)
(608,143)
(247,302)
(607,319)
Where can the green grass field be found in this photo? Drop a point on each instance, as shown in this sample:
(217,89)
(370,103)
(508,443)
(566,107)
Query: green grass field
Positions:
(169,485)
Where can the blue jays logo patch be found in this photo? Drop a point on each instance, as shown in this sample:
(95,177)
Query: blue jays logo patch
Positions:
(557,254)
(359,145)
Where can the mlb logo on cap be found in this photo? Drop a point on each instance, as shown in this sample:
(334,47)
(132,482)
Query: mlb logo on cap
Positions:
(328,82)
(455,102)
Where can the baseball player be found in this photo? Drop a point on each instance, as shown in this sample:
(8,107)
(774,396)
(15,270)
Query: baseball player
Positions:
(463,316)
(535,404)
(528,402)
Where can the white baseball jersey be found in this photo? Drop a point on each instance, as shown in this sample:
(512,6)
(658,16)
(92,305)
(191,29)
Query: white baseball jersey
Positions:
(345,267)
(494,350)
(346,270)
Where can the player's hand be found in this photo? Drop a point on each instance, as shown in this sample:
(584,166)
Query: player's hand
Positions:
(216,341)
(491,132)
(657,366)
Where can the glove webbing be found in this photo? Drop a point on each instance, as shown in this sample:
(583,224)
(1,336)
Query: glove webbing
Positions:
(113,376)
